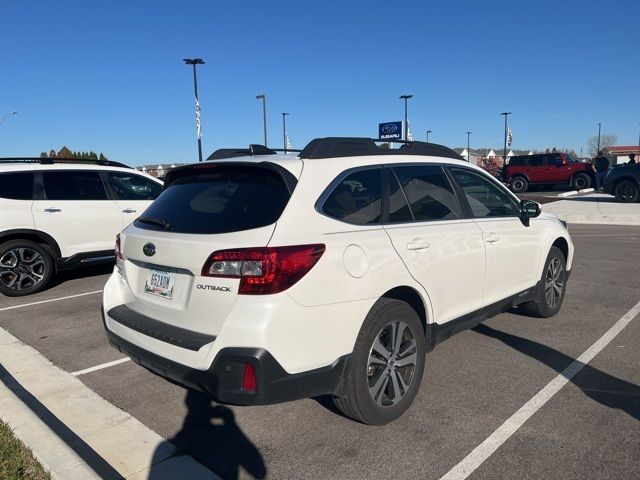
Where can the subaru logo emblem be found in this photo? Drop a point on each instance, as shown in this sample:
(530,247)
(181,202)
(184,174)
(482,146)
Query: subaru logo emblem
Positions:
(390,128)
(149,249)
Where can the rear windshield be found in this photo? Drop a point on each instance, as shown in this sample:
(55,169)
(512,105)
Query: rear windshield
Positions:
(230,200)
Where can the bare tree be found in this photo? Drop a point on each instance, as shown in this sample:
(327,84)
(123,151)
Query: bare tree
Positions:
(606,140)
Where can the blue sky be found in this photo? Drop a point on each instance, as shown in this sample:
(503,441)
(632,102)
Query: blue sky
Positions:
(108,76)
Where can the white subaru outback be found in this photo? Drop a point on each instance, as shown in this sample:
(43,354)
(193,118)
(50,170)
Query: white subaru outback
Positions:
(262,278)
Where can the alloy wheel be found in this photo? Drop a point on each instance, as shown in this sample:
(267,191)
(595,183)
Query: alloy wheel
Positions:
(553,283)
(21,268)
(392,363)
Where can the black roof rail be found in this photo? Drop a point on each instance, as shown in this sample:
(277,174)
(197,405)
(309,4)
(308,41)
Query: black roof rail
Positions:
(50,161)
(330,147)
(254,149)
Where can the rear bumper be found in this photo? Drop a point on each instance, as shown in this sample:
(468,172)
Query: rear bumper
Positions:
(223,380)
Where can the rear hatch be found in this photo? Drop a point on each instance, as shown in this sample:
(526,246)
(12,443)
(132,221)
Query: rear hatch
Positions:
(204,208)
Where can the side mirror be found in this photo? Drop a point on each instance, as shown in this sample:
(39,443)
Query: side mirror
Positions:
(528,209)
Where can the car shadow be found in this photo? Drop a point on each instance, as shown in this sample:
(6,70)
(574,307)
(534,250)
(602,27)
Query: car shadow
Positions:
(605,389)
(77,273)
(211,435)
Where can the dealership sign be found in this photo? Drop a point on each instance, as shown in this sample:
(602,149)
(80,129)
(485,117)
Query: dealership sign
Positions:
(390,131)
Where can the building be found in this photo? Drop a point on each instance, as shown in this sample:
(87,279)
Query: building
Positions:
(620,154)
(158,171)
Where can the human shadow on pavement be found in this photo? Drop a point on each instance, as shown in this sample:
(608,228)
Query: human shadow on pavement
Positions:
(595,384)
(210,435)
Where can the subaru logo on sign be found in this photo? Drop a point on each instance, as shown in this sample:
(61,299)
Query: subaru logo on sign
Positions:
(149,249)
(390,131)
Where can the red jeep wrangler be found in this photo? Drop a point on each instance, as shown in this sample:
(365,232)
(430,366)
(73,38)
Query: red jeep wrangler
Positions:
(547,169)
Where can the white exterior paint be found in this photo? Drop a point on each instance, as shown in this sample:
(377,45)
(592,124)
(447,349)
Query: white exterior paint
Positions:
(457,267)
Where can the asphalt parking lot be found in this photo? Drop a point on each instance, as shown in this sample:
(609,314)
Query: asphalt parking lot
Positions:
(473,384)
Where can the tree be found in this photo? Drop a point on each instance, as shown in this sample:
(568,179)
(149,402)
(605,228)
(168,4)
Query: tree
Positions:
(102,157)
(606,140)
(43,154)
(64,152)
(52,153)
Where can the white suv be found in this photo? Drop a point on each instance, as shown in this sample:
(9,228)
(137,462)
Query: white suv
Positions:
(266,278)
(57,214)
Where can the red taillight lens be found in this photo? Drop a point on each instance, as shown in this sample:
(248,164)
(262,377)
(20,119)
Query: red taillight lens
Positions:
(249,382)
(118,248)
(265,270)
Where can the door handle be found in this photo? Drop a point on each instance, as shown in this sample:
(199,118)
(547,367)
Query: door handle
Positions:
(52,210)
(129,210)
(491,238)
(418,245)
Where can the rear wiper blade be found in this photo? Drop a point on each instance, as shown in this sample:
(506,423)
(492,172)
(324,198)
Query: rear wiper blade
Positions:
(154,221)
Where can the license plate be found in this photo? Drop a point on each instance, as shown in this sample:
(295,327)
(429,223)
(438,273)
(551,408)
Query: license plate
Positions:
(160,283)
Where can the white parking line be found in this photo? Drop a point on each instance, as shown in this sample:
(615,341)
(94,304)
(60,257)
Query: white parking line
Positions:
(47,301)
(483,451)
(100,367)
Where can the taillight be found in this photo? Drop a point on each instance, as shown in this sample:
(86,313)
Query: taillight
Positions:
(249,381)
(118,248)
(264,270)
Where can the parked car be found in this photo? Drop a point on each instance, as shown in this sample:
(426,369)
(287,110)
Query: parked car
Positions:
(548,169)
(57,214)
(266,278)
(623,182)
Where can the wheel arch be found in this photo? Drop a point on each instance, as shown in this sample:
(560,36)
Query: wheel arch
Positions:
(37,236)
(416,301)
(562,244)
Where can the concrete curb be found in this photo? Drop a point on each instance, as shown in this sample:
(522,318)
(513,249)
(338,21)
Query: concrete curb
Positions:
(74,432)
(567,194)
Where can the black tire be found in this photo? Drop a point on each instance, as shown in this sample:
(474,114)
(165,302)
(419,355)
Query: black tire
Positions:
(25,268)
(519,184)
(626,191)
(581,181)
(357,401)
(543,305)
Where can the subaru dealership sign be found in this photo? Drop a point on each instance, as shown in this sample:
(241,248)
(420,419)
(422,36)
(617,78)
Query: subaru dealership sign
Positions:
(390,131)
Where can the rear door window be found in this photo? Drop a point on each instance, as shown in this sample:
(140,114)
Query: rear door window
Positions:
(73,185)
(428,192)
(16,186)
(537,161)
(223,200)
(129,186)
(357,198)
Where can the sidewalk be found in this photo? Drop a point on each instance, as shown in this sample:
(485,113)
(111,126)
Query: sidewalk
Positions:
(595,208)
(73,432)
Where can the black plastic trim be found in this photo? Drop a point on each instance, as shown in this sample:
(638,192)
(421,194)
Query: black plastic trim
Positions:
(437,333)
(85,259)
(223,380)
(180,337)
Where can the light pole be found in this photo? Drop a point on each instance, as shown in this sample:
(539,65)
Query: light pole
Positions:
(406,126)
(599,126)
(506,114)
(284,131)
(7,115)
(428,132)
(468,149)
(263,97)
(194,62)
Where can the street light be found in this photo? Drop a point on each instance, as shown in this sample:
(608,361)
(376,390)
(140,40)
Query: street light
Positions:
(599,126)
(194,62)
(406,126)
(284,131)
(428,132)
(263,97)
(506,114)
(7,115)
(468,149)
